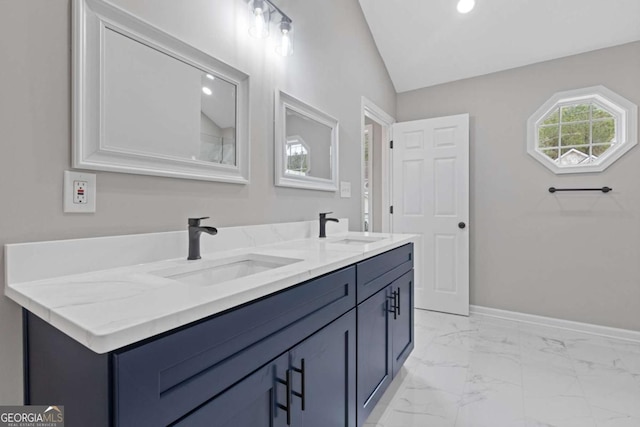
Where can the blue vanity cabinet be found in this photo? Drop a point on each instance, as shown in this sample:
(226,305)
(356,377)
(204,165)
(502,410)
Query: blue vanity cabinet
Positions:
(317,354)
(385,323)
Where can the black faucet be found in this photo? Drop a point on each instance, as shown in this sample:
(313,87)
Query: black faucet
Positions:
(323,223)
(195,229)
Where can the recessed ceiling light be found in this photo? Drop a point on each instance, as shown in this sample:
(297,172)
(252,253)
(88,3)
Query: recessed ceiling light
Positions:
(206,90)
(210,77)
(466,6)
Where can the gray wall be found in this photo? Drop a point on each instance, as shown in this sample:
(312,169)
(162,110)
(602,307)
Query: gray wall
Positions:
(570,256)
(332,48)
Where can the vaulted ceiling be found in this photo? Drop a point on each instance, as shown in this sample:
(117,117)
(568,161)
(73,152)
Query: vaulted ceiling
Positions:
(427,42)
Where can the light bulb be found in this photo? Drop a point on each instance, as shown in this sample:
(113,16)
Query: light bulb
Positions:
(206,90)
(260,11)
(210,76)
(285,47)
(466,6)
(260,26)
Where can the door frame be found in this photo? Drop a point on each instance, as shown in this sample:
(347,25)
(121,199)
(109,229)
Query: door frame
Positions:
(370,110)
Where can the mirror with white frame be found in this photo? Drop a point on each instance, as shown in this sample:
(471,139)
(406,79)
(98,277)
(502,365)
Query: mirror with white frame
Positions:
(306,146)
(148,103)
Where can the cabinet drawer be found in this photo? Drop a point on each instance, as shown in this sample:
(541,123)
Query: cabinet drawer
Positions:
(377,272)
(160,381)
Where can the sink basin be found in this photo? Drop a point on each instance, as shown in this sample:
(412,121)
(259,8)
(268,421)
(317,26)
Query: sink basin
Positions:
(358,240)
(207,273)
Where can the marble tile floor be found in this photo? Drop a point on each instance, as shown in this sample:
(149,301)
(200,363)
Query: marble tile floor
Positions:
(481,371)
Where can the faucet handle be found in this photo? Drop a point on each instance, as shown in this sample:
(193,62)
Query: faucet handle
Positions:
(323,214)
(195,222)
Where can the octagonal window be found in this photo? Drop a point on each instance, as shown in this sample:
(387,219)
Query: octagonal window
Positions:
(582,130)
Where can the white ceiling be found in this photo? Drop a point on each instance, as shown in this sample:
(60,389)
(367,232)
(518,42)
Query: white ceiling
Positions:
(427,42)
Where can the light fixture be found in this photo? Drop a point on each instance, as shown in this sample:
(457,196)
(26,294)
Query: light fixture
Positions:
(261,12)
(210,77)
(285,47)
(206,90)
(466,6)
(261,16)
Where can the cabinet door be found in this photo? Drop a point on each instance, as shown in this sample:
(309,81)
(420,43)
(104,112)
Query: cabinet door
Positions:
(327,383)
(374,351)
(253,402)
(402,323)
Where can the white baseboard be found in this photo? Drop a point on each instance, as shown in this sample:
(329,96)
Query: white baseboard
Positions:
(587,328)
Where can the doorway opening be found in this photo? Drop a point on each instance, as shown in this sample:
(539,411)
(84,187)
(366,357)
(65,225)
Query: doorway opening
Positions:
(375,168)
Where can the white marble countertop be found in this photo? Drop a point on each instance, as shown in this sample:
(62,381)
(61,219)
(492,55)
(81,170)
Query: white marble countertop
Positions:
(111,308)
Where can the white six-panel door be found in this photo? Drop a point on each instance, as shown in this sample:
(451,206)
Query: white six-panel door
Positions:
(431,198)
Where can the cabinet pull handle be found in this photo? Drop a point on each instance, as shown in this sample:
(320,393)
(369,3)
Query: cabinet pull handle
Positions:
(287,407)
(301,395)
(398,303)
(394,308)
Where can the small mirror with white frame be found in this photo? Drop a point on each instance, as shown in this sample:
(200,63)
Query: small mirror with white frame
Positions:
(148,103)
(306,145)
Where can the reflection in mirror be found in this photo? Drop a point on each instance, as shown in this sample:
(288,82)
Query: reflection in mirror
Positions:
(160,113)
(308,141)
(298,156)
(217,121)
(148,103)
(306,146)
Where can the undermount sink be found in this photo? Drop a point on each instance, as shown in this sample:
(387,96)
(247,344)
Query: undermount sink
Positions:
(207,273)
(357,240)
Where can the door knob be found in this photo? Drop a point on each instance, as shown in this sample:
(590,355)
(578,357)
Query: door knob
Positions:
(461,225)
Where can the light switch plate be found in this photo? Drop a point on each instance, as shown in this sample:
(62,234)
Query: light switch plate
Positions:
(79,194)
(345,189)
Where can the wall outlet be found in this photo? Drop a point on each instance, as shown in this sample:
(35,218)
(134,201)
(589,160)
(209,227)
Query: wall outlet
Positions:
(345,189)
(79,193)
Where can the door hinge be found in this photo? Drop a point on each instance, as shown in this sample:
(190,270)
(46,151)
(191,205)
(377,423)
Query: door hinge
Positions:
(391,144)
(391,210)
